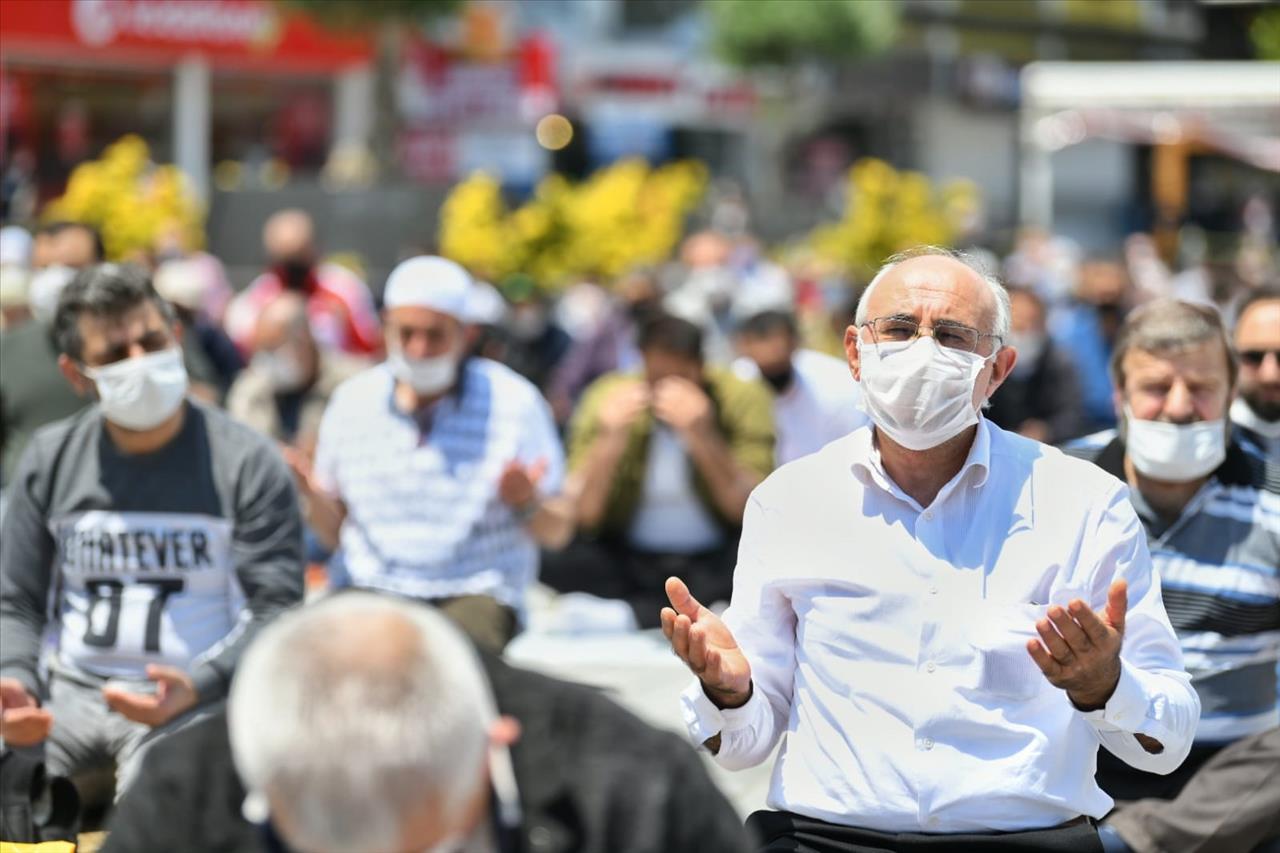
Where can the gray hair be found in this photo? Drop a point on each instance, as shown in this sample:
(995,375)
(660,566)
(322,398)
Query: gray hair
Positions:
(999,294)
(1165,326)
(355,713)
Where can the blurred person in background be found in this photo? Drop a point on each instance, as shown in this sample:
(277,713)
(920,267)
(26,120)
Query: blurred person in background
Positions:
(1213,530)
(158,532)
(661,463)
(15,310)
(486,322)
(172,244)
(339,304)
(212,359)
(815,398)
(290,378)
(1041,397)
(438,475)
(68,244)
(1085,329)
(611,346)
(32,392)
(422,745)
(535,343)
(1256,410)
(15,275)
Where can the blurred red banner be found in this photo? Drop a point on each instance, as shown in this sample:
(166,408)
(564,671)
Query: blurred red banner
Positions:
(248,34)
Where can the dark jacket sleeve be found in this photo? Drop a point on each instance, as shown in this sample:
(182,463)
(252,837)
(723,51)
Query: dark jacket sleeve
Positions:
(187,797)
(267,550)
(699,818)
(26,570)
(1064,409)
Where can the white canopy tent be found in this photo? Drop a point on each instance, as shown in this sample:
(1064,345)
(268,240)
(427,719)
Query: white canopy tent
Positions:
(1229,107)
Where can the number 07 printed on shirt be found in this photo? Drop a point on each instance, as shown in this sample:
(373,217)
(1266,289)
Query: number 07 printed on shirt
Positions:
(143,587)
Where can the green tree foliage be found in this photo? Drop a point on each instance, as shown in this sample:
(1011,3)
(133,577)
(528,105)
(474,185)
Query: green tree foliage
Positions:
(367,13)
(1265,33)
(779,32)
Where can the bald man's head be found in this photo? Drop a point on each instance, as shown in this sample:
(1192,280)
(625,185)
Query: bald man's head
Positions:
(283,344)
(289,235)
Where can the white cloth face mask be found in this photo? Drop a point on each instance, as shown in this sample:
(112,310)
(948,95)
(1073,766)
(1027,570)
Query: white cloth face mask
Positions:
(140,393)
(919,393)
(282,367)
(424,375)
(1175,453)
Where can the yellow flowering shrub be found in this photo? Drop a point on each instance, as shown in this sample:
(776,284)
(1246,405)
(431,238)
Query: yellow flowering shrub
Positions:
(130,200)
(624,215)
(887,211)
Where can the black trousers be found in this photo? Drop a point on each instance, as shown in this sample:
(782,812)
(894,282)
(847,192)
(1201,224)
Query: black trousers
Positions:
(784,832)
(610,568)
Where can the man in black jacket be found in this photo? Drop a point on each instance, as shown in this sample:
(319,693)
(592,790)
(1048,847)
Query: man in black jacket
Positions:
(1041,398)
(417,745)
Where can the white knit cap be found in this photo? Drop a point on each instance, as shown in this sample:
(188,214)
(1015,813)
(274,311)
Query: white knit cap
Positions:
(485,305)
(429,282)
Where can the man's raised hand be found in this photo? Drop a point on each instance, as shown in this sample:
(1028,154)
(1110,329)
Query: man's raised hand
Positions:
(707,647)
(1079,650)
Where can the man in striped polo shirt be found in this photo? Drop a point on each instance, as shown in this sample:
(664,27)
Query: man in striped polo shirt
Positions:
(438,474)
(1213,528)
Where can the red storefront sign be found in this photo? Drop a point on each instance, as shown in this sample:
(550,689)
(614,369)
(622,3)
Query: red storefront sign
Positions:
(244,34)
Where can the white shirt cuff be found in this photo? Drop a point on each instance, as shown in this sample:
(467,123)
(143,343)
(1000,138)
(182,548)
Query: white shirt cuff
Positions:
(1126,710)
(704,720)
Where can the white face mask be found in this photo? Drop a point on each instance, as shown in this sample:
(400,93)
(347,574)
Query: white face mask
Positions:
(918,393)
(143,392)
(282,367)
(1174,453)
(424,375)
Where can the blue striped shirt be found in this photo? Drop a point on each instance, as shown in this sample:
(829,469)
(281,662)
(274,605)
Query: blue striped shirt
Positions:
(423,514)
(1219,566)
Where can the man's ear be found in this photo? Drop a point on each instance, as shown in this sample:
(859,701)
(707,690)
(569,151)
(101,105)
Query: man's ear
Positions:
(851,352)
(71,372)
(505,731)
(1006,358)
(1117,403)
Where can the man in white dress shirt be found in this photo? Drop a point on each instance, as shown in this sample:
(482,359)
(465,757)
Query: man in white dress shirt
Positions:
(940,619)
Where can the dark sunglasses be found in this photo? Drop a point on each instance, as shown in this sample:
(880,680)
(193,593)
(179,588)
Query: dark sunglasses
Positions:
(1255,357)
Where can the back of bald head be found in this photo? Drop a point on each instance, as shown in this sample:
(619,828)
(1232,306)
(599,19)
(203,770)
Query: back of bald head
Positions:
(283,318)
(288,233)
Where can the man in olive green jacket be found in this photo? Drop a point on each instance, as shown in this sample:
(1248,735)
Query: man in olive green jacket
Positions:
(660,467)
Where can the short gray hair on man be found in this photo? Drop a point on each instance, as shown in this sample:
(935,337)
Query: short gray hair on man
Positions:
(1164,326)
(355,713)
(1004,313)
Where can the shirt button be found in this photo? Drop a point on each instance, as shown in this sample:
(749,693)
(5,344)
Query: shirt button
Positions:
(930,666)
(933,590)
(928,515)
(927,743)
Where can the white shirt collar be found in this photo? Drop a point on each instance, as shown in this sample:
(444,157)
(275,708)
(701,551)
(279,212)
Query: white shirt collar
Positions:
(868,468)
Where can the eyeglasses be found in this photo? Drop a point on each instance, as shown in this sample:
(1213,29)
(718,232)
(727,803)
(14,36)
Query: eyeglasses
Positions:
(950,335)
(1255,357)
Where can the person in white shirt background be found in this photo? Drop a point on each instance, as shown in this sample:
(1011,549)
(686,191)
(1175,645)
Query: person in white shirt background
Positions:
(815,400)
(941,620)
(438,474)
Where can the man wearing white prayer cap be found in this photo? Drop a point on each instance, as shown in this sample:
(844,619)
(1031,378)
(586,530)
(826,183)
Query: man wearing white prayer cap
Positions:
(439,475)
